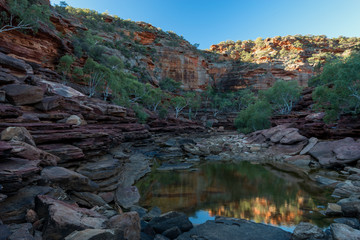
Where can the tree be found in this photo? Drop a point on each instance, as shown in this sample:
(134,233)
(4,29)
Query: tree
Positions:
(283,95)
(178,103)
(152,98)
(193,102)
(170,85)
(25,14)
(255,117)
(339,88)
(65,63)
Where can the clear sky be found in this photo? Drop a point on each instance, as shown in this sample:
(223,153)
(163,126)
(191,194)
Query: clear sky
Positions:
(211,21)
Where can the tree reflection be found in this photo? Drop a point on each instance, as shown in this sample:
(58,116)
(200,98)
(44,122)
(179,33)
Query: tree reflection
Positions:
(234,190)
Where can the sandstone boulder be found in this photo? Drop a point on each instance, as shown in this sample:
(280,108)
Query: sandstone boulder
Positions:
(344,232)
(96,234)
(17,134)
(27,151)
(21,94)
(327,153)
(75,120)
(305,231)
(231,228)
(129,223)
(48,103)
(127,196)
(68,179)
(169,220)
(62,90)
(63,218)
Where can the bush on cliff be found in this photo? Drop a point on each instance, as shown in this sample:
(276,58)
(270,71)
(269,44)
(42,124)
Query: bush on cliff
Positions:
(282,96)
(339,90)
(28,13)
(255,117)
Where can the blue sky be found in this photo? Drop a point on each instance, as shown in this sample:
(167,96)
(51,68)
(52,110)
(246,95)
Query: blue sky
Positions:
(209,22)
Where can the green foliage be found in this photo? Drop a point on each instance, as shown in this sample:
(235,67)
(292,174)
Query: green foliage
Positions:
(194,103)
(30,12)
(282,95)
(170,85)
(152,98)
(65,63)
(259,42)
(140,113)
(339,90)
(178,104)
(255,117)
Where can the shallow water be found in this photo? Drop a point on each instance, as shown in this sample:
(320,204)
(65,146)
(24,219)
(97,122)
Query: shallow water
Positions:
(244,190)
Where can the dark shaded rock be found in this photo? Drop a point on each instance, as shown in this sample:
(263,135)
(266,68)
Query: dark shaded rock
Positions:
(172,233)
(107,196)
(307,231)
(65,152)
(15,63)
(174,166)
(231,228)
(346,189)
(333,209)
(326,181)
(9,111)
(27,151)
(292,137)
(18,134)
(312,142)
(16,173)
(129,223)
(344,232)
(350,208)
(68,179)
(135,168)
(169,220)
(348,153)
(127,196)
(31,216)
(96,234)
(22,231)
(64,218)
(48,103)
(154,212)
(5,149)
(324,152)
(4,232)
(88,199)
(2,96)
(140,210)
(352,222)
(14,209)
(160,237)
(21,94)
(6,78)
(101,169)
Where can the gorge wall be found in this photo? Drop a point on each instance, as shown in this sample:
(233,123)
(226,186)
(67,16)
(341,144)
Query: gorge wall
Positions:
(151,54)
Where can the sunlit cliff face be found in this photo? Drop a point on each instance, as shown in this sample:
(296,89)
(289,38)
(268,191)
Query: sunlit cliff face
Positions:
(231,191)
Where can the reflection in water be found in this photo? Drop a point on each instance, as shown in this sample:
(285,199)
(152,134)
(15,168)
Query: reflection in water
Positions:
(234,190)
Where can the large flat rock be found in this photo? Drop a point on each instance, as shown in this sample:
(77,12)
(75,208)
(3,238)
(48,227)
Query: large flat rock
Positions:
(231,228)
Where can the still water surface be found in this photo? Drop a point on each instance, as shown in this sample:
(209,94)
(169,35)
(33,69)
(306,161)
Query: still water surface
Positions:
(244,190)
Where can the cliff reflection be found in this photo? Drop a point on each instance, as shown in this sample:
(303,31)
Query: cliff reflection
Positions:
(242,191)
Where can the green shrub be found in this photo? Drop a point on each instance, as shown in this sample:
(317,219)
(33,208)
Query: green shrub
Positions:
(282,96)
(169,84)
(30,12)
(339,90)
(141,115)
(255,117)
(65,63)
